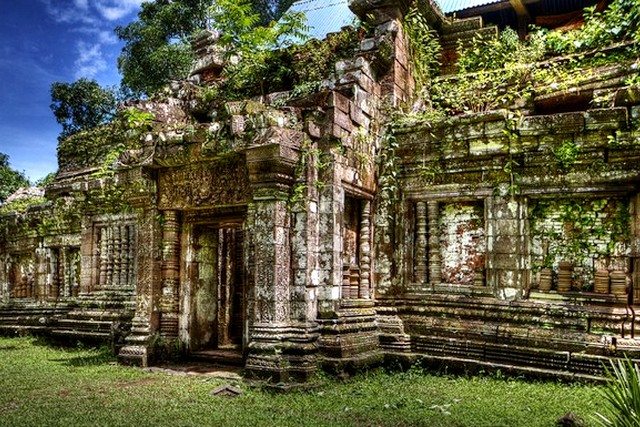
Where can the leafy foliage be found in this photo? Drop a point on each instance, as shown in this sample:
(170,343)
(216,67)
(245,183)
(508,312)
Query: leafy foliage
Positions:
(255,50)
(484,91)
(423,45)
(314,60)
(566,154)
(21,205)
(504,72)
(622,395)
(81,105)
(10,179)
(270,10)
(48,179)
(619,22)
(493,53)
(156,46)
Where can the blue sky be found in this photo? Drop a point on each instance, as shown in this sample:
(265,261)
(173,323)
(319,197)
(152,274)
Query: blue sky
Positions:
(42,41)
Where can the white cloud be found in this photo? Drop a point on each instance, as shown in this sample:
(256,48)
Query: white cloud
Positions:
(67,13)
(82,4)
(94,19)
(113,10)
(90,60)
(105,37)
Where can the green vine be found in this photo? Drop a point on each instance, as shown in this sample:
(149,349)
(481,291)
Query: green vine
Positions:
(388,167)
(424,47)
(566,154)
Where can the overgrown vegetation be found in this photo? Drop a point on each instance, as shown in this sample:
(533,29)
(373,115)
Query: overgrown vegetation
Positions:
(257,48)
(504,72)
(10,179)
(75,387)
(82,105)
(424,47)
(579,231)
(622,396)
(21,205)
(157,45)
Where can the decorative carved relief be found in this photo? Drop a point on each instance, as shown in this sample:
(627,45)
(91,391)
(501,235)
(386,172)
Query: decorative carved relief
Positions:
(202,185)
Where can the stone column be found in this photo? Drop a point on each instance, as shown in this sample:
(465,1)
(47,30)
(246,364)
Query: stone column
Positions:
(420,253)
(40,290)
(365,251)
(169,300)
(635,247)
(4,277)
(508,265)
(279,348)
(330,239)
(145,323)
(89,253)
(435,265)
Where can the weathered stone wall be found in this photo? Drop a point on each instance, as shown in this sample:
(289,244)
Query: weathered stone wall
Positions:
(462,243)
(332,229)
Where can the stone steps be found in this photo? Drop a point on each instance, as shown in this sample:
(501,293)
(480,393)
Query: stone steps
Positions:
(219,357)
(24,317)
(510,356)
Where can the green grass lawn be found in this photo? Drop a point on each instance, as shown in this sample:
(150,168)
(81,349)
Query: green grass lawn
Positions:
(45,386)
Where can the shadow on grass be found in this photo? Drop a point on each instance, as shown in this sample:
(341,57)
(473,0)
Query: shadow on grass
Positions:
(101,358)
(8,347)
(91,355)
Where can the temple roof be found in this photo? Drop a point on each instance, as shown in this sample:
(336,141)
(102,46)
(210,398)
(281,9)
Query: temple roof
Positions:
(329,16)
(449,6)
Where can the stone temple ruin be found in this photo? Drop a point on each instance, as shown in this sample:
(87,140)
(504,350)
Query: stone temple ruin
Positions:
(293,232)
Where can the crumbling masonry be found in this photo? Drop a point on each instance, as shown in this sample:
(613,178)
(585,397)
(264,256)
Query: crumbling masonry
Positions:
(291,233)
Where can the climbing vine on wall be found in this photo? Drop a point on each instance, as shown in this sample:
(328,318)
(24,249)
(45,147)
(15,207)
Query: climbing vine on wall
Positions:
(424,47)
(388,167)
(579,230)
(502,72)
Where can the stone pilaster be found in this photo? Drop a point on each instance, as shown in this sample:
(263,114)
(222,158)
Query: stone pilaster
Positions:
(89,252)
(41,273)
(508,265)
(635,246)
(420,268)
(4,277)
(145,323)
(365,251)
(169,300)
(435,263)
(331,212)
(279,349)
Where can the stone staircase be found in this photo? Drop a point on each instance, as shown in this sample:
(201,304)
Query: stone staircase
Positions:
(104,316)
(219,357)
(29,317)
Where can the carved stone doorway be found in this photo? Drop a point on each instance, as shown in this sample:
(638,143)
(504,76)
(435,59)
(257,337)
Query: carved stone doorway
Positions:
(217,281)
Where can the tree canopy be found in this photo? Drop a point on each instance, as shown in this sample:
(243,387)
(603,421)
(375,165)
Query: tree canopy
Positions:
(156,44)
(157,48)
(10,179)
(81,105)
